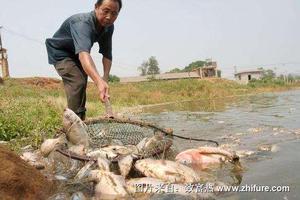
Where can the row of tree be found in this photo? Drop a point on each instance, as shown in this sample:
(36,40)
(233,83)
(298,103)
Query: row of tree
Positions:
(150,67)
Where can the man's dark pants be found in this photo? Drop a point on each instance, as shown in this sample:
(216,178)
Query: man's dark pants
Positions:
(75,83)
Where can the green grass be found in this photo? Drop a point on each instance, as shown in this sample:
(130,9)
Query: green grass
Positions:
(31,109)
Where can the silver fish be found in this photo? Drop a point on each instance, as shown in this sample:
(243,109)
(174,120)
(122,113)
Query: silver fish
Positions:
(217,150)
(125,165)
(50,145)
(34,159)
(103,154)
(151,145)
(120,150)
(84,171)
(75,128)
(108,185)
(167,170)
(78,149)
(78,196)
(103,164)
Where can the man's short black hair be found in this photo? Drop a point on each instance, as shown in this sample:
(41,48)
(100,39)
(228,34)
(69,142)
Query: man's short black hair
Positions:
(99,2)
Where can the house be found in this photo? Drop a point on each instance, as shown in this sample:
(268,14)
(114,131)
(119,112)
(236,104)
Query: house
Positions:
(209,70)
(244,77)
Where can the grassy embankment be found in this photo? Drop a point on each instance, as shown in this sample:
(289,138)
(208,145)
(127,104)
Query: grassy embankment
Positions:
(31,109)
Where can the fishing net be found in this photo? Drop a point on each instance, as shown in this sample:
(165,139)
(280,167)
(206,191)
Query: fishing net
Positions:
(106,131)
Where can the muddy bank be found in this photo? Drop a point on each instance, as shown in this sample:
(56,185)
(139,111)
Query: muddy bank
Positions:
(18,180)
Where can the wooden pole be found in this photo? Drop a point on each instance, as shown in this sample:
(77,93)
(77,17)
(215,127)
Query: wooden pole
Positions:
(3,58)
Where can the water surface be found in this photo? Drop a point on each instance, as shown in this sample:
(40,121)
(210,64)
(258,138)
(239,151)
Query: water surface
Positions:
(247,125)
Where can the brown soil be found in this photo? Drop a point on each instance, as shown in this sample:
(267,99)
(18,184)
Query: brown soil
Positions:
(18,180)
(48,83)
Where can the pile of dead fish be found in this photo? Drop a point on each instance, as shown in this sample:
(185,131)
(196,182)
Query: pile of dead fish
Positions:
(110,168)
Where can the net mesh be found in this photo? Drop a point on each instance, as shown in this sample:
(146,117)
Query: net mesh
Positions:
(105,132)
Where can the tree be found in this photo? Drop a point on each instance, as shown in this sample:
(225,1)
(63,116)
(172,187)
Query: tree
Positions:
(175,70)
(268,74)
(219,73)
(143,68)
(149,67)
(153,66)
(113,78)
(194,65)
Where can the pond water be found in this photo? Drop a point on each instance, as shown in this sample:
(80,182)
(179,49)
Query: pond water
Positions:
(266,127)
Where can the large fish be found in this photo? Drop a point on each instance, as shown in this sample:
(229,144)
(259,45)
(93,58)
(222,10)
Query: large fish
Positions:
(84,171)
(125,165)
(123,154)
(34,159)
(205,156)
(150,146)
(101,153)
(75,128)
(113,151)
(103,164)
(50,145)
(167,170)
(108,185)
(121,150)
(78,149)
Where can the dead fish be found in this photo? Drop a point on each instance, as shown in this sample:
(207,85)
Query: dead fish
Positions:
(192,156)
(50,145)
(167,170)
(103,164)
(83,172)
(125,165)
(78,196)
(103,154)
(148,142)
(60,178)
(245,153)
(108,185)
(153,145)
(217,150)
(268,147)
(34,159)
(69,117)
(205,156)
(120,150)
(78,149)
(133,149)
(75,128)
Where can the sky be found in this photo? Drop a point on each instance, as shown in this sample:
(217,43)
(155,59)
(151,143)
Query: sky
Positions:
(247,34)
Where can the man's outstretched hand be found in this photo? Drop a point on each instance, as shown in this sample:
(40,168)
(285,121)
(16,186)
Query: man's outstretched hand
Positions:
(103,90)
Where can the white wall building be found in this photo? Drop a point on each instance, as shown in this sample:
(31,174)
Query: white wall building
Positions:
(244,77)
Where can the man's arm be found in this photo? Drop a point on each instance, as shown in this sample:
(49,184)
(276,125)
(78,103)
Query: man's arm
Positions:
(89,67)
(106,68)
